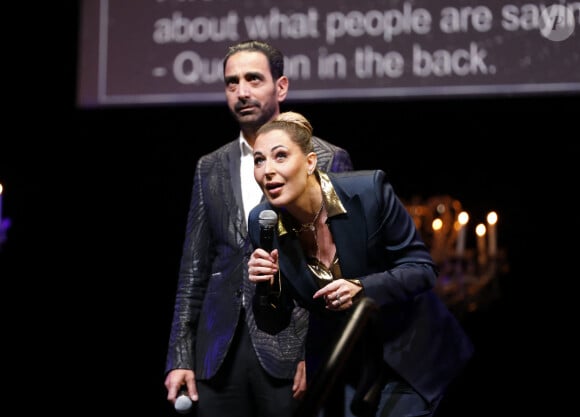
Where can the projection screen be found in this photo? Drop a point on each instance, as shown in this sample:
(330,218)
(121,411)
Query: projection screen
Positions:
(170,51)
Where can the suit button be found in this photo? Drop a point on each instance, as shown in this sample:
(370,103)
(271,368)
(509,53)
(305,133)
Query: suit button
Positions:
(239,292)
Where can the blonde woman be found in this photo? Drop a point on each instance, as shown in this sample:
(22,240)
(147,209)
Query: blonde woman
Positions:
(343,236)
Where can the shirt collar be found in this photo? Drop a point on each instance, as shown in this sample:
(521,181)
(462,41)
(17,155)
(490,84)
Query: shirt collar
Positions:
(245,148)
(332,202)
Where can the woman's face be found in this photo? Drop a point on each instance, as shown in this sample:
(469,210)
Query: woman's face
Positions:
(280,168)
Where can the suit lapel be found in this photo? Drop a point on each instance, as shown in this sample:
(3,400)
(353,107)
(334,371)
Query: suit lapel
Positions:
(233,163)
(293,262)
(350,235)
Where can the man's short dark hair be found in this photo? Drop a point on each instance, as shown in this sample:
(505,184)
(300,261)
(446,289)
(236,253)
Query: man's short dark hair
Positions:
(274,56)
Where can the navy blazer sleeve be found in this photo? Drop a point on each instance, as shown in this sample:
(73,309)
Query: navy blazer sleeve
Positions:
(399,264)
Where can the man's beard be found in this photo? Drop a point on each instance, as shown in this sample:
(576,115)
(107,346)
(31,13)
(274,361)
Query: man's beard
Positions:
(255,119)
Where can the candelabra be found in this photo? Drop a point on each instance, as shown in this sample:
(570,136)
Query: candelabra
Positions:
(468,276)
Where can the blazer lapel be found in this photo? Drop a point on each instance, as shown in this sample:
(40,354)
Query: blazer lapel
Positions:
(233,155)
(350,236)
(293,262)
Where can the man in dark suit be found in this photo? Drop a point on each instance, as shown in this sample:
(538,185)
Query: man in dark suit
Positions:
(229,366)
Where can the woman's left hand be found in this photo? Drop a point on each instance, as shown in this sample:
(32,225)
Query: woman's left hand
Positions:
(338,294)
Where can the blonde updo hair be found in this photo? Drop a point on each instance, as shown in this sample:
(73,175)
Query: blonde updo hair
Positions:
(296,126)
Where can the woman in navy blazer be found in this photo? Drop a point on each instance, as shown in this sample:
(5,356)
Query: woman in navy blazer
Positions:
(341,237)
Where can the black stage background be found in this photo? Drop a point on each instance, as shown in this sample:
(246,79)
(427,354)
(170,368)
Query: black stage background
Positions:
(98,201)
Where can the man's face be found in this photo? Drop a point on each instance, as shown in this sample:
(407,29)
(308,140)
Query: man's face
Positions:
(252,95)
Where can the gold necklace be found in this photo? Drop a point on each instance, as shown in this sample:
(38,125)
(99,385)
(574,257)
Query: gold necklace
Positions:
(312,225)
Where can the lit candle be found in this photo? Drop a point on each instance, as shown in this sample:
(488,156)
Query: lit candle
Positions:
(462,220)
(491,233)
(481,251)
(437,246)
(1,204)
(437,225)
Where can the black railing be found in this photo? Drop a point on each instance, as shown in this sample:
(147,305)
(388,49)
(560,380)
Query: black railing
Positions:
(360,326)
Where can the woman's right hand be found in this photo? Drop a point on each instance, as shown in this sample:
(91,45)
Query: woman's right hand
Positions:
(262,266)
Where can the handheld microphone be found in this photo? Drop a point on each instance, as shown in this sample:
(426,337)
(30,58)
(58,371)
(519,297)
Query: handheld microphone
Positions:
(183,403)
(267,220)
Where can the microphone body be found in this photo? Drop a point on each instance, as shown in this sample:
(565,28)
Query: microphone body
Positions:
(268,220)
(183,403)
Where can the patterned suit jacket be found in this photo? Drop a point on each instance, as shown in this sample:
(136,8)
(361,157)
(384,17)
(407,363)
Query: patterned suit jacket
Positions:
(213,284)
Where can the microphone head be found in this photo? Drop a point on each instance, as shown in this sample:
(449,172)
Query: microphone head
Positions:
(183,404)
(267,218)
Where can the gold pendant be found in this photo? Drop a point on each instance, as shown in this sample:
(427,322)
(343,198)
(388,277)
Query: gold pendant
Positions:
(321,272)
